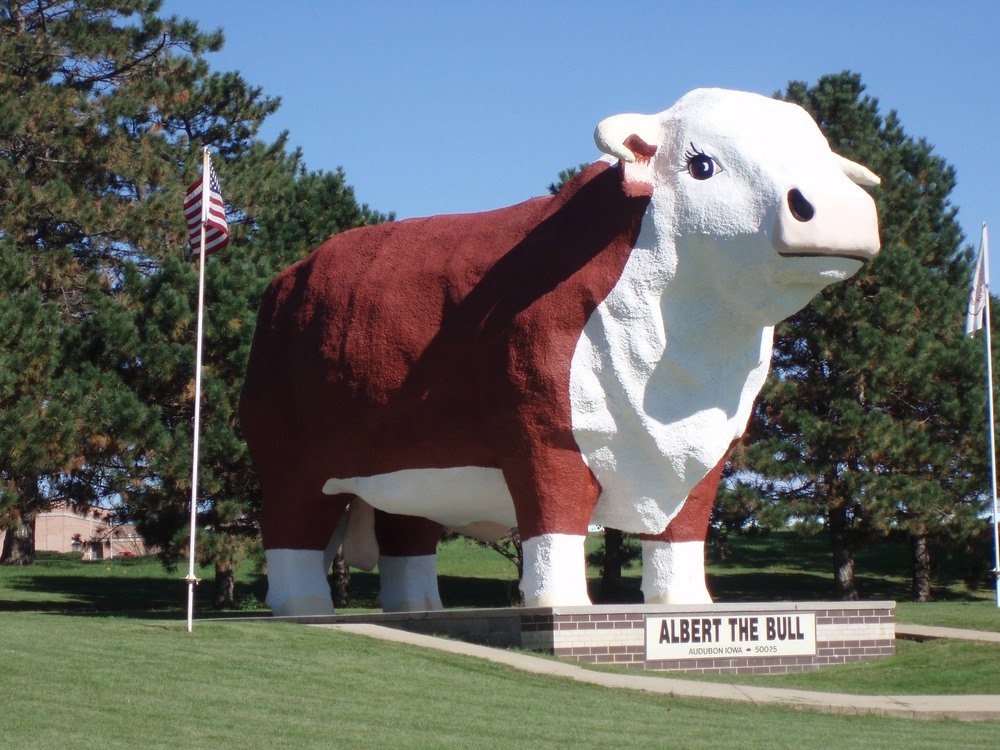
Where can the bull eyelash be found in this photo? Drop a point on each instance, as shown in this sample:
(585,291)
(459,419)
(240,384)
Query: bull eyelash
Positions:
(693,152)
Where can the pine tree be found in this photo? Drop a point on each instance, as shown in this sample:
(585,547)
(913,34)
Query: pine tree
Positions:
(82,161)
(30,431)
(104,109)
(866,427)
(565,176)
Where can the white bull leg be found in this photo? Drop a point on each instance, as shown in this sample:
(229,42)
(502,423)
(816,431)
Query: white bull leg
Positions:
(408,584)
(297,583)
(674,573)
(555,573)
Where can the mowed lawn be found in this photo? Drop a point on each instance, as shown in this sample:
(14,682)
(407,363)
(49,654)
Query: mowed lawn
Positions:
(72,680)
(98,654)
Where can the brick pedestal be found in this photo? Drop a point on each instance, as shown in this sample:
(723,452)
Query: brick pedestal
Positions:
(843,632)
(714,639)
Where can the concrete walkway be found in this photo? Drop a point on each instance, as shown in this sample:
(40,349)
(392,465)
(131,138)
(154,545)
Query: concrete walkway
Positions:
(961,707)
(929,633)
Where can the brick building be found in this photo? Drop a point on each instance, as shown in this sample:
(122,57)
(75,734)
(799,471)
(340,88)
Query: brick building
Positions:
(92,532)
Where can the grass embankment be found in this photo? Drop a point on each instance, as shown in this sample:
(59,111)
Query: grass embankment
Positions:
(120,682)
(97,653)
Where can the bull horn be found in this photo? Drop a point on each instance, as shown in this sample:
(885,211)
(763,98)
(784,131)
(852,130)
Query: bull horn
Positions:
(859,174)
(612,132)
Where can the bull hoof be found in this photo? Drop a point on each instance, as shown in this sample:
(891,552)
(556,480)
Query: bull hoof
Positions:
(409,584)
(422,604)
(306,606)
(558,600)
(680,596)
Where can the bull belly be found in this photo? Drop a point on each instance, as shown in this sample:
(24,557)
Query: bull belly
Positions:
(454,497)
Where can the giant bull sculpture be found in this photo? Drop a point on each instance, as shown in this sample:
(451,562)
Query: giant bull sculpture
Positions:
(585,357)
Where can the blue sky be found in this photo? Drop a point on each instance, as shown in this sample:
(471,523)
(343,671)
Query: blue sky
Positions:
(439,107)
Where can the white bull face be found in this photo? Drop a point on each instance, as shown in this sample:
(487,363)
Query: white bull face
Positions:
(749,205)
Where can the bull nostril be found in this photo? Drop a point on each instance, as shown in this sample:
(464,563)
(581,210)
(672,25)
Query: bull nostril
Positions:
(800,207)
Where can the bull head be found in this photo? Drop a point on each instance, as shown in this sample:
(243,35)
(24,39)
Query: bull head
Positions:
(632,139)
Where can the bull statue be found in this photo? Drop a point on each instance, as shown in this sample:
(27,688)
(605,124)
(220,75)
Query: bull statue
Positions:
(581,358)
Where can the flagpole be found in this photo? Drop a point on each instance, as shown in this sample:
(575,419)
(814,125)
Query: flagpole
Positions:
(984,244)
(191,578)
(978,316)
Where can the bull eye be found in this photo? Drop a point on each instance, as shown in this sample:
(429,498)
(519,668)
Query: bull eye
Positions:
(700,165)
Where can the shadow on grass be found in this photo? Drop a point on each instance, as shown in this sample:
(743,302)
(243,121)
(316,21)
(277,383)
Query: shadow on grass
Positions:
(456,591)
(128,588)
(50,587)
(132,597)
(766,586)
(786,566)
(766,567)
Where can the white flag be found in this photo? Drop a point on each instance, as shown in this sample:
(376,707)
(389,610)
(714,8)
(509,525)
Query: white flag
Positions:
(975,314)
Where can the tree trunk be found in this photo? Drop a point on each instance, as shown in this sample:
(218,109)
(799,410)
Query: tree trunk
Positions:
(843,555)
(19,544)
(510,547)
(341,582)
(921,567)
(224,590)
(611,571)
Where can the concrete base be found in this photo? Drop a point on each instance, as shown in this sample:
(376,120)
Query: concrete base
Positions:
(709,639)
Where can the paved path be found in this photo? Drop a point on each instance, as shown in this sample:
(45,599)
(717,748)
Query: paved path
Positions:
(929,633)
(961,707)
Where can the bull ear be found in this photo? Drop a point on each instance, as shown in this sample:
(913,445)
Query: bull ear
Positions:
(613,133)
(859,174)
(632,139)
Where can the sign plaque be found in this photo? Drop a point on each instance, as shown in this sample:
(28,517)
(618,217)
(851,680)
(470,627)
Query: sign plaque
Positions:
(739,635)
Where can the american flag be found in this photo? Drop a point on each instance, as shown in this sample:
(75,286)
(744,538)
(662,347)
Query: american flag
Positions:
(213,213)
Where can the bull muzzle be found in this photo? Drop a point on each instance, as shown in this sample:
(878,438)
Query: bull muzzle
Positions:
(840,221)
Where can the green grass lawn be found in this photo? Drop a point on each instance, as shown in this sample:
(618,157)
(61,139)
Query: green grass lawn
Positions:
(118,682)
(97,653)
(930,668)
